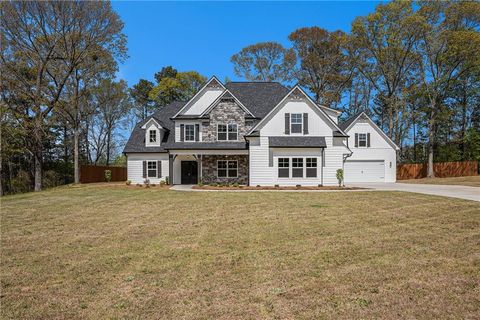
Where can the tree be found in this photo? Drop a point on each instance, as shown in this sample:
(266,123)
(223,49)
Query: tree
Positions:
(448,49)
(140,95)
(382,50)
(45,42)
(112,104)
(180,87)
(324,65)
(264,61)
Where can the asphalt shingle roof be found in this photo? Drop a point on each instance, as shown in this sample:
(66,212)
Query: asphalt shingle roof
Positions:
(345,124)
(258,97)
(297,142)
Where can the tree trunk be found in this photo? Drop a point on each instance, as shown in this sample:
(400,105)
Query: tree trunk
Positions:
(65,155)
(38,169)
(431,140)
(76,137)
(108,148)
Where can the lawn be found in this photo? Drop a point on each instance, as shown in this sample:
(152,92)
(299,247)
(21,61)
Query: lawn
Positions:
(470,181)
(127,252)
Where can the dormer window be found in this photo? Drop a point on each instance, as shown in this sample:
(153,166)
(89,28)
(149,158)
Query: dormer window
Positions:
(189,132)
(152,136)
(296,123)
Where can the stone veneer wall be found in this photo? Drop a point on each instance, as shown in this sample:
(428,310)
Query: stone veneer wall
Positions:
(209,169)
(226,111)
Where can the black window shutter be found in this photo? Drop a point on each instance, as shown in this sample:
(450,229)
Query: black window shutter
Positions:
(287,123)
(159,169)
(197,132)
(144,169)
(182,132)
(368,140)
(305,123)
(356,140)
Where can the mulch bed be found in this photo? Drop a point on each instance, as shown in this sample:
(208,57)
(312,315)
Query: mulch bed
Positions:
(207,187)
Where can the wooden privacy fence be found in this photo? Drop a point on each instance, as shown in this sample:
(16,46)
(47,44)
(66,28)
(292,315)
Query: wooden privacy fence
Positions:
(89,174)
(441,169)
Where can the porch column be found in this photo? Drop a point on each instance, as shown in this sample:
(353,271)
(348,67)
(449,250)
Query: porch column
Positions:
(200,169)
(170,169)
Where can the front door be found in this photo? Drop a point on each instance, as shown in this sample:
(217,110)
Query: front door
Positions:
(189,172)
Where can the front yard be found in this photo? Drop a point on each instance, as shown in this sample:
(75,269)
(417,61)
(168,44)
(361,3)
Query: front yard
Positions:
(113,251)
(470,181)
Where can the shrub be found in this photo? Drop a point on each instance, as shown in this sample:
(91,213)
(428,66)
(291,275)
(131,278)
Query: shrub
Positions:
(235,184)
(277,186)
(258,186)
(146,182)
(153,185)
(340,177)
(21,183)
(319,185)
(298,185)
(162,183)
(108,175)
(128,182)
(200,183)
(167,180)
(139,185)
(51,179)
(213,184)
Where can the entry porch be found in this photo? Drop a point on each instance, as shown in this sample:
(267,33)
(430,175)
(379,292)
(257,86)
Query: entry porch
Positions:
(209,166)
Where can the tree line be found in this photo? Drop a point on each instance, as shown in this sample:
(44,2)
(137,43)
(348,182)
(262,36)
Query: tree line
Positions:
(61,104)
(413,66)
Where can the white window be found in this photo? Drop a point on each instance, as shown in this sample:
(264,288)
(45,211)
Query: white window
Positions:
(232,132)
(152,169)
(221,132)
(311,167)
(152,135)
(189,132)
(296,123)
(227,132)
(297,167)
(227,168)
(283,167)
(362,139)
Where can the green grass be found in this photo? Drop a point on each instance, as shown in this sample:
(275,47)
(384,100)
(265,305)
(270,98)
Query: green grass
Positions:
(470,181)
(127,252)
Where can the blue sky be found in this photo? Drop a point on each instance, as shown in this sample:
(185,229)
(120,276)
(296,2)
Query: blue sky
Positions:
(202,36)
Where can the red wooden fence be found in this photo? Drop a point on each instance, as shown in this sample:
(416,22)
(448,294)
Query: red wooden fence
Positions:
(441,170)
(89,174)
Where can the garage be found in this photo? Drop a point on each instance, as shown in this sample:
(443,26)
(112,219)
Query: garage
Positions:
(364,171)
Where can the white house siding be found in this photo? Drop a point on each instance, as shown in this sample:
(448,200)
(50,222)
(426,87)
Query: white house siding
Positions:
(379,149)
(261,173)
(317,125)
(334,154)
(135,166)
(177,129)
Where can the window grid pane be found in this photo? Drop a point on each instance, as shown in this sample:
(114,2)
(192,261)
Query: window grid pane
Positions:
(189,132)
(296,120)
(297,167)
(222,132)
(152,169)
(153,136)
(232,132)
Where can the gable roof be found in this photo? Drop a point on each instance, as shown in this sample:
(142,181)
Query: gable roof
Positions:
(225,94)
(211,80)
(299,89)
(350,121)
(136,142)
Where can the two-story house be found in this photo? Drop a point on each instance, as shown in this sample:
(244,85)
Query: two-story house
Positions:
(257,133)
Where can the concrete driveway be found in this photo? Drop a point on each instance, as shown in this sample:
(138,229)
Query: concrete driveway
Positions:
(462,192)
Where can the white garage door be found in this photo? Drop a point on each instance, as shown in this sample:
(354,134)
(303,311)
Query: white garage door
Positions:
(364,171)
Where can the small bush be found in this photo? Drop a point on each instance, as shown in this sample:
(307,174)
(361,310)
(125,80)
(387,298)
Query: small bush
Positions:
(235,185)
(146,182)
(162,183)
(139,185)
(298,186)
(258,186)
(153,185)
(128,182)
(108,175)
(167,180)
(340,177)
(213,184)
(277,186)
(319,185)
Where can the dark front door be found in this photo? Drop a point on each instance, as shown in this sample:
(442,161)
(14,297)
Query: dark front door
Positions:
(189,172)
